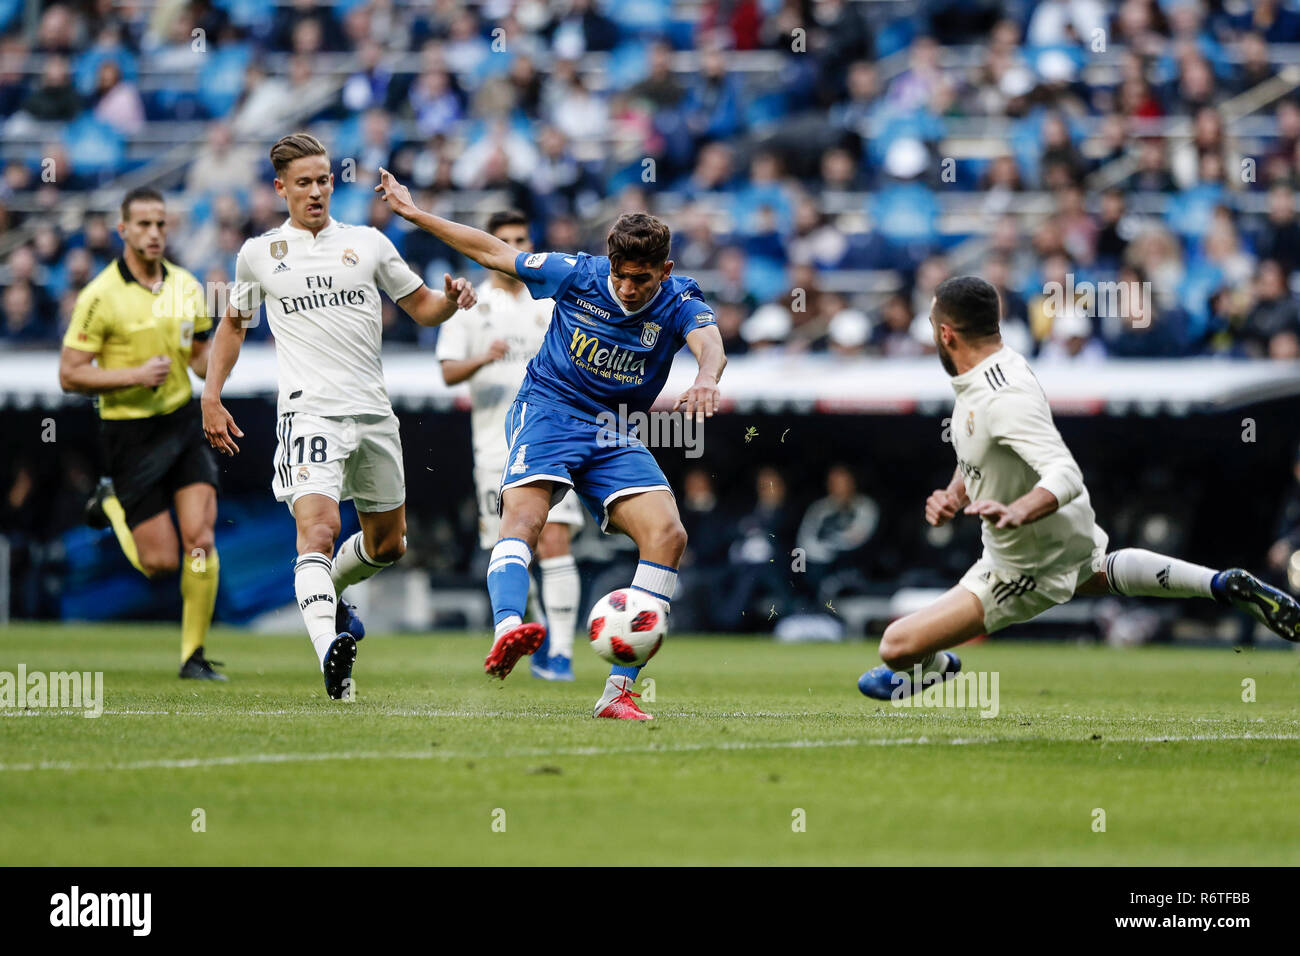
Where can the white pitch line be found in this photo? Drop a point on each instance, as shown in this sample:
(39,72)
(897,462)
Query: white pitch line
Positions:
(191,763)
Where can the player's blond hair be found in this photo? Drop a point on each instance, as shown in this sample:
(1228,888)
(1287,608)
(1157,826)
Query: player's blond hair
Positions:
(295,146)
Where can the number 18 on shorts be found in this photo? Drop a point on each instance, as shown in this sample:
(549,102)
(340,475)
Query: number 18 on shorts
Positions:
(356,456)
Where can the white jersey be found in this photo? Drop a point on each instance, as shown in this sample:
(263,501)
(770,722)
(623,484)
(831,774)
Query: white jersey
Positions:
(1007,444)
(322,301)
(521,321)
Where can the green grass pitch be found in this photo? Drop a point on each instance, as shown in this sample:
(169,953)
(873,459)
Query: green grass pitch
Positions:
(434,764)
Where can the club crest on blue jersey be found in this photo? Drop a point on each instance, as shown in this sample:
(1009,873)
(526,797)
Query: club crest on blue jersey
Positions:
(649,334)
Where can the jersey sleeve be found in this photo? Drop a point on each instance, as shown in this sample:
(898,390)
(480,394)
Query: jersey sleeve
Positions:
(693,312)
(90,321)
(392,274)
(453,339)
(546,274)
(1022,422)
(247,293)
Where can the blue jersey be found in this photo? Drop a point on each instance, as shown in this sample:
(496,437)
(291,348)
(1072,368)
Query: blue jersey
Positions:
(596,356)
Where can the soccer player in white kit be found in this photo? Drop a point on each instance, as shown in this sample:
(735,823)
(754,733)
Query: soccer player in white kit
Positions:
(489,347)
(1042,545)
(337,435)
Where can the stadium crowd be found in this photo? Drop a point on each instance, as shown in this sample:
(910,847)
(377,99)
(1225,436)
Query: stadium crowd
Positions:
(805,152)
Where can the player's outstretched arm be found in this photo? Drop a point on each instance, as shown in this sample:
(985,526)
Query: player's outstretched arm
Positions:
(702,398)
(455,371)
(218,425)
(434,308)
(484,248)
(1036,503)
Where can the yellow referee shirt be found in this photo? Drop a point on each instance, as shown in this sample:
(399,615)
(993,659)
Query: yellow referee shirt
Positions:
(125,325)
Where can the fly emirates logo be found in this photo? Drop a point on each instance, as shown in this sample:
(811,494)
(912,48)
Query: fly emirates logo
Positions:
(611,362)
(321,294)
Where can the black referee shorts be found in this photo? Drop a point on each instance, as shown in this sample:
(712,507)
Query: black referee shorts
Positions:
(149,459)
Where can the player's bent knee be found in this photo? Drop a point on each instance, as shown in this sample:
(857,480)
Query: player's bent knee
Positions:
(391,550)
(896,645)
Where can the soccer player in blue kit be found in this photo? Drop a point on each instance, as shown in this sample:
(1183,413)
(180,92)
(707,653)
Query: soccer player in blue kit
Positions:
(619,320)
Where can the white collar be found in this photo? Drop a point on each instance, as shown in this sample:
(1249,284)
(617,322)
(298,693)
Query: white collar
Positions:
(329,224)
(609,284)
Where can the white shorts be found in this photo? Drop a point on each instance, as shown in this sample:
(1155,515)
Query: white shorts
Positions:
(1012,596)
(568,510)
(356,456)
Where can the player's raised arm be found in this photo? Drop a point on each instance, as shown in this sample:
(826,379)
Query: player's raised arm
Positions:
(428,307)
(484,248)
(218,425)
(702,398)
(944,503)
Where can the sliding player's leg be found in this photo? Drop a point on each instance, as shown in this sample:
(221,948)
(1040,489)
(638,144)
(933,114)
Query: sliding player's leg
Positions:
(649,518)
(561,590)
(523,515)
(917,645)
(196,513)
(1135,572)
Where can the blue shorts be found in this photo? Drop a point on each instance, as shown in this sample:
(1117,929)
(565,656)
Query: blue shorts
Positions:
(548,445)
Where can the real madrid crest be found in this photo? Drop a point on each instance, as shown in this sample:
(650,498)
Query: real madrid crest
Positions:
(649,334)
(970,423)
(279,249)
(303,473)
(350,257)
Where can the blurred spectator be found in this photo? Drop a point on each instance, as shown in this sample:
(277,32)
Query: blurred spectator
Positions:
(768,328)
(759,553)
(836,529)
(892,335)
(1279,239)
(1272,328)
(848,333)
(1138,329)
(55,98)
(660,88)
(583,29)
(1071,339)
(712,104)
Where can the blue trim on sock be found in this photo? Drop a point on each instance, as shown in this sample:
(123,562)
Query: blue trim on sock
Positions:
(662,597)
(661,567)
(620,671)
(520,540)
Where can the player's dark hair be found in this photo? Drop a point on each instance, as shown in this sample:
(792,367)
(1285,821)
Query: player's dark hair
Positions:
(295,146)
(970,305)
(505,217)
(638,237)
(139,194)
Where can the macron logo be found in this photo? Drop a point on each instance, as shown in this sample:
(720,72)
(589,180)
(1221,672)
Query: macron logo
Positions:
(103,909)
(595,310)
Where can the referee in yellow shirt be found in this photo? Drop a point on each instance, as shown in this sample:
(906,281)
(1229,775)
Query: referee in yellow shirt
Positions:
(136,330)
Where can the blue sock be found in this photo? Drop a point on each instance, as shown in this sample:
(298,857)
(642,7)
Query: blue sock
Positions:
(507,579)
(619,671)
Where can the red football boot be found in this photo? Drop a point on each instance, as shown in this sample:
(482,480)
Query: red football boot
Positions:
(617,702)
(512,645)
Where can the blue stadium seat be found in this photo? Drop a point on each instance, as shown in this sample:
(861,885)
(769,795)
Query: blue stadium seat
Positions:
(96,148)
(223,79)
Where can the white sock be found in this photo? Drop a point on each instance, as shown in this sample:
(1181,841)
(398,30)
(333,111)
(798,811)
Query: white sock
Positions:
(1137,573)
(505,624)
(560,590)
(352,565)
(316,600)
(932,666)
(657,580)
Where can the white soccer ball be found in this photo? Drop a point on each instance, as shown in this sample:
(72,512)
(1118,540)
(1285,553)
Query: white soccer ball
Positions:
(626,627)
